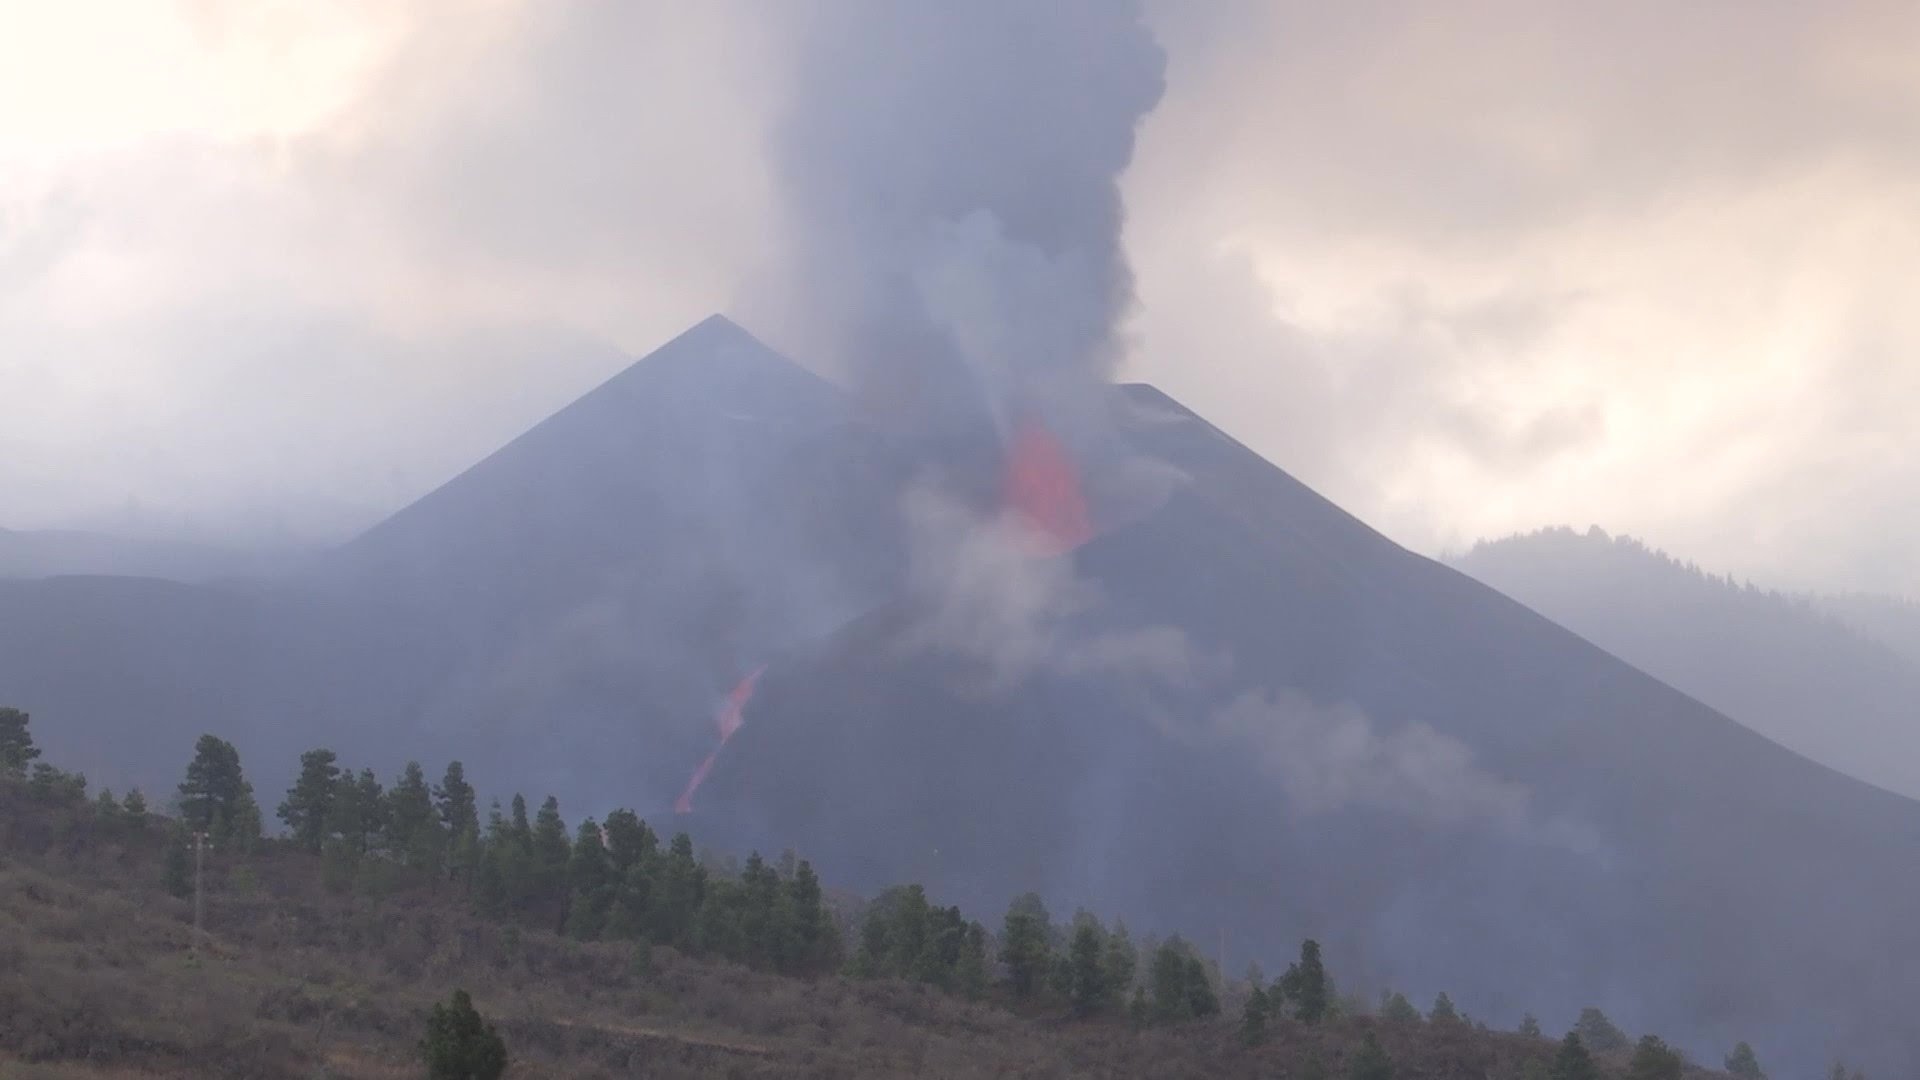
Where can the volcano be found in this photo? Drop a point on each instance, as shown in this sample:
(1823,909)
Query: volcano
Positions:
(1257,718)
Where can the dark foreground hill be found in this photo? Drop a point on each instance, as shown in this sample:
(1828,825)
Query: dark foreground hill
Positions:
(1244,713)
(302,973)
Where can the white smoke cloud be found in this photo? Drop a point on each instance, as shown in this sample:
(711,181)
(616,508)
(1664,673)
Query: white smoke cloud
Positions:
(1332,758)
(984,595)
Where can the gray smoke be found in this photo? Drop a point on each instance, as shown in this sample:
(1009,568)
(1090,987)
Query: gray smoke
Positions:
(987,599)
(947,176)
(1331,758)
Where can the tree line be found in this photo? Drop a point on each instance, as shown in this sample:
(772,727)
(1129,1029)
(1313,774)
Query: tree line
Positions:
(615,880)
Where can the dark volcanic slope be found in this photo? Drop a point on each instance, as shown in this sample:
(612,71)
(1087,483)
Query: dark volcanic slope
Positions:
(1669,865)
(584,594)
(562,614)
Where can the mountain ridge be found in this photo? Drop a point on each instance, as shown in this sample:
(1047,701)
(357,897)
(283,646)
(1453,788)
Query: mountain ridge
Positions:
(1785,665)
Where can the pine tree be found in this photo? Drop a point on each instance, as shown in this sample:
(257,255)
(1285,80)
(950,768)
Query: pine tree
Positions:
(1395,1008)
(1600,1034)
(455,802)
(1653,1059)
(940,953)
(765,921)
(17,751)
(1253,1017)
(629,841)
(463,857)
(215,797)
(308,807)
(1167,982)
(517,857)
(815,941)
(489,880)
(1572,1062)
(1087,975)
(359,808)
(1310,993)
(1370,1062)
(106,809)
(1201,999)
(1742,1063)
(134,809)
(1530,1026)
(970,974)
(461,1045)
(1121,961)
(54,785)
(1026,945)
(588,873)
(413,829)
(550,850)
(1443,1011)
(683,883)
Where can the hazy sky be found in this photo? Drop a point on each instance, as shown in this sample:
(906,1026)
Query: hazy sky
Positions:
(1466,269)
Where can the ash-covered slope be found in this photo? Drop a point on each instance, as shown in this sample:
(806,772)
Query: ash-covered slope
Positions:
(1372,749)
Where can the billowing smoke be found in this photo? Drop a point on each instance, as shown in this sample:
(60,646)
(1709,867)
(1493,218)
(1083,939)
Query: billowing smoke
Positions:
(992,596)
(1332,758)
(946,176)
(952,221)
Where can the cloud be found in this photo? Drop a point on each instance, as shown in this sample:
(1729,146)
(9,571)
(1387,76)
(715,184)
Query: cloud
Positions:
(235,324)
(1540,263)
(1532,263)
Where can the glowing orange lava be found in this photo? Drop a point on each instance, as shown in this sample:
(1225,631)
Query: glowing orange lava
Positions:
(728,719)
(1042,485)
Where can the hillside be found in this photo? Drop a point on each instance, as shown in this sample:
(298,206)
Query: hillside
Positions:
(301,975)
(1832,679)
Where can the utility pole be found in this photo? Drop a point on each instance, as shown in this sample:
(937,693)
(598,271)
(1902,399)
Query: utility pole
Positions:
(199,861)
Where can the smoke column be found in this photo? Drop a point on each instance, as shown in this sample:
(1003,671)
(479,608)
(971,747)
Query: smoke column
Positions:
(947,175)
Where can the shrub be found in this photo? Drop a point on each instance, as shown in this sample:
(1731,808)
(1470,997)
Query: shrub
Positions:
(461,1045)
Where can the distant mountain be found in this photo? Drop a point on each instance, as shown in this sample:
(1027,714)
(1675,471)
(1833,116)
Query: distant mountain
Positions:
(1237,708)
(1891,620)
(54,552)
(1821,677)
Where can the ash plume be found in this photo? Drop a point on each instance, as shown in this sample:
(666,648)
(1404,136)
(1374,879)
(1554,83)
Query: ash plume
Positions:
(949,201)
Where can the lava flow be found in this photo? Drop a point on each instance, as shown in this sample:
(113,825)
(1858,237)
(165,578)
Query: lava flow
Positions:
(729,717)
